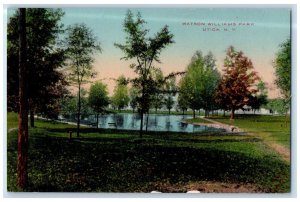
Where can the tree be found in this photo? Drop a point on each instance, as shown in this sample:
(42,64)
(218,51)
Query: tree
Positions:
(145,50)
(120,98)
(23,111)
(182,102)
(44,57)
(157,97)
(278,105)
(236,85)
(282,67)
(133,95)
(69,107)
(81,45)
(260,98)
(170,89)
(98,98)
(197,87)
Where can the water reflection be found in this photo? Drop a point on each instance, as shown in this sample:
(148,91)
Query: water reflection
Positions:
(155,122)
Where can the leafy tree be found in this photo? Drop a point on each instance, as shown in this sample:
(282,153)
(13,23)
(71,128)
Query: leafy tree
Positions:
(260,98)
(236,85)
(145,50)
(44,57)
(169,102)
(278,105)
(182,102)
(282,67)
(170,88)
(197,87)
(81,45)
(157,97)
(69,107)
(120,98)
(98,98)
(22,176)
(133,95)
(50,103)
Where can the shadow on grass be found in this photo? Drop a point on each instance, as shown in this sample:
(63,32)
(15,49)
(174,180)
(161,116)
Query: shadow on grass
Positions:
(55,164)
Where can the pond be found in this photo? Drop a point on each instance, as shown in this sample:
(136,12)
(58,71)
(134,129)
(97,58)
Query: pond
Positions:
(156,122)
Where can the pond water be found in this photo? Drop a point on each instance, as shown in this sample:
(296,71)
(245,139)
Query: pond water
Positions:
(156,122)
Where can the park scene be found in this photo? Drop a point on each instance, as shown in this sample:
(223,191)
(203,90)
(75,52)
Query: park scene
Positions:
(148,100)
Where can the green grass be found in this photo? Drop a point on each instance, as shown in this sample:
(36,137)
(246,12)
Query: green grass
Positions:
(12,120)
(110,161)
(270,128)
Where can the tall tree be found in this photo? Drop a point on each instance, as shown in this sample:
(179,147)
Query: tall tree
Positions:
(44,57)
(145,50)
(170,89)
(133,95)
(157,96)
(98,98)
(260,98)
(120,98)
(282,67)
(23,103)
(182,102)
(200,82)
(81,45)
(237,83)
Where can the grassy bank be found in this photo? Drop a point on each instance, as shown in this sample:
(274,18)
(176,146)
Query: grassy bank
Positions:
(108,161)
(270,128)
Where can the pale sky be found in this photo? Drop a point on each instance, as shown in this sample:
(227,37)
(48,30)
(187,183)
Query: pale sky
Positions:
(259,40)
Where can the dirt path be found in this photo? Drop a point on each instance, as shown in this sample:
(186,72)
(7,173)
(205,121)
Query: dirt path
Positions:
(206,187)
(284,152)
(11,129)
(281,150)
(216,124)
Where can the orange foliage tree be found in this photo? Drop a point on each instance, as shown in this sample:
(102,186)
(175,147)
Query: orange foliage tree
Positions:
(237,83)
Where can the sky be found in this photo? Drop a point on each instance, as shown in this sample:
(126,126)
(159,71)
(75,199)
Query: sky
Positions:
(257,32)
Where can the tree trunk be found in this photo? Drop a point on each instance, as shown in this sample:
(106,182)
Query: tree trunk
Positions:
(194,114)
(97,120)
(232,114)
(183,112)
(169,111)
(224,113)
(23,106)
(147,121)
(141,126)
(32,117)
(79,108)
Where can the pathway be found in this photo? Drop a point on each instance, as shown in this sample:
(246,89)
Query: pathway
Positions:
(216,124)
(11,129)
(280,149)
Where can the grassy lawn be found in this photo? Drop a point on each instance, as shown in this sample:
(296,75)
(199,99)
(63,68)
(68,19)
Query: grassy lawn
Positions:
(12,120)
(270,128)
(110,161)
